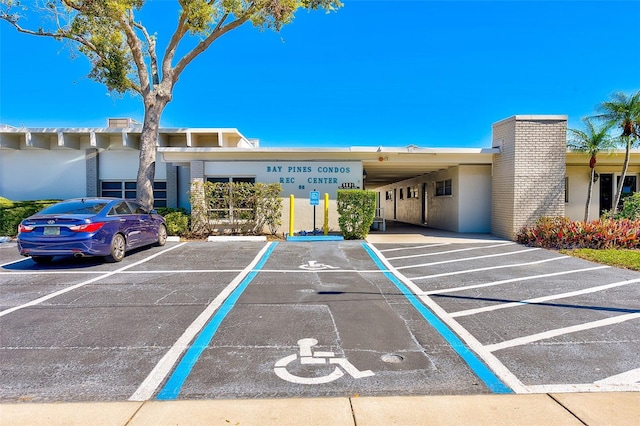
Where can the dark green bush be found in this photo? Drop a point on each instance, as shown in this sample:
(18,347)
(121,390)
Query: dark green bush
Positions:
(563,233)
(357,209)
(177,223)
(12,213)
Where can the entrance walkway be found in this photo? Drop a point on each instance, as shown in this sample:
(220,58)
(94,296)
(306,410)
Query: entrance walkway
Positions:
(399,232)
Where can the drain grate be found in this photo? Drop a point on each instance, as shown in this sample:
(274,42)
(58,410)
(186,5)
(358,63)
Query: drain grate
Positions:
(392,358)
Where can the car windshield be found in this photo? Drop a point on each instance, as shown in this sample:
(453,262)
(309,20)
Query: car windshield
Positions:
(76,207)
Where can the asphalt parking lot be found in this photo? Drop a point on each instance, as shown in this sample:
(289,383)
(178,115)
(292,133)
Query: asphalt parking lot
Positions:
(201,320)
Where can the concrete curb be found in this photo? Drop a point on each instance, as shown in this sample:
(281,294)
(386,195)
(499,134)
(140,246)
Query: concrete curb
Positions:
(603,408)
(232,238)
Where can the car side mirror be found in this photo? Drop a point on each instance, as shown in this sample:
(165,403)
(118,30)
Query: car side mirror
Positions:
(153,211)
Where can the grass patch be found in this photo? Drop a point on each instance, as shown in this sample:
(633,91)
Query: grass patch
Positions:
(621,258)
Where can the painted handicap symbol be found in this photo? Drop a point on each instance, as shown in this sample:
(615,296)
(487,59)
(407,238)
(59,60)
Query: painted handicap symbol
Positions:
(308,357)
(313,265)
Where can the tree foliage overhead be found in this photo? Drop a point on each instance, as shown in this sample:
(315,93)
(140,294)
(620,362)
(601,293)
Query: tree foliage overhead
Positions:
(124,55)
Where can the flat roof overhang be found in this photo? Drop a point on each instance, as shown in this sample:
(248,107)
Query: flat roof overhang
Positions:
(615,158)
(382,165)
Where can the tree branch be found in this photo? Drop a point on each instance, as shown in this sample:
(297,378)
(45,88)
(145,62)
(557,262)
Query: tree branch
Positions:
(215,34)
(151,42)
(136,52)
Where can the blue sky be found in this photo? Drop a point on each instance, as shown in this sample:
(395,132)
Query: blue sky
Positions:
(391,73)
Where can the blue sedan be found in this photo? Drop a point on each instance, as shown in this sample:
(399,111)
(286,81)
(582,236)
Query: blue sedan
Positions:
(81,227)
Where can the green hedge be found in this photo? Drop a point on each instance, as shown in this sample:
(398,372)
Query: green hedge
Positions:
(13,212)
(357,210)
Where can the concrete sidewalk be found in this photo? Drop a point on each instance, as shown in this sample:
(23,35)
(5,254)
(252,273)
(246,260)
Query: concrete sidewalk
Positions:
(607,408)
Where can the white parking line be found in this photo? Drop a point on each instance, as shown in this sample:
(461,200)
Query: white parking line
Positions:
(628,377)
(561,331)
(450,251)
(466,259)
(14,261)
(489,268)
(543,298)
(531,277)
(73,287)
(53,273)
(491,360)
(162,369)
(415,247)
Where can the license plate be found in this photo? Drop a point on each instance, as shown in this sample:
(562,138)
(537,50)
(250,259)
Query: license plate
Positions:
(51,230)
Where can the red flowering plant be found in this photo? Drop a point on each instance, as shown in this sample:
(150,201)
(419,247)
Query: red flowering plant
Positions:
(563,233)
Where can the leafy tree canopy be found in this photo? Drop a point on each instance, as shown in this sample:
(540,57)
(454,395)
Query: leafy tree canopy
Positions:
(121,51)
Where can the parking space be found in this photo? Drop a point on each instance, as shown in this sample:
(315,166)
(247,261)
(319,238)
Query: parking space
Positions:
(548,321)
(96,335)
(239,320)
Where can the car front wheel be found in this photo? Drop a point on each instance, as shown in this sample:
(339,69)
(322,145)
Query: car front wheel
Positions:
(162,235)
(118,245)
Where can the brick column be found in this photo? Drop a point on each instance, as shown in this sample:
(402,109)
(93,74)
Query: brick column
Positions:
(529,173)
(199,213)
(93,175)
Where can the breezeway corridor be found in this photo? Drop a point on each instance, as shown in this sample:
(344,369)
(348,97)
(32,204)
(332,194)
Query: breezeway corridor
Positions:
(210,320)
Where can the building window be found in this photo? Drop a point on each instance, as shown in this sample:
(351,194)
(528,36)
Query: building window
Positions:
(127,189)
(401,194)
(389,195)
(566,189)
(412,192)
(443,187)
(231,179)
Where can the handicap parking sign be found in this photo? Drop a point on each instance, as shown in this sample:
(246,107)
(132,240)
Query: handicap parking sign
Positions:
(314,198)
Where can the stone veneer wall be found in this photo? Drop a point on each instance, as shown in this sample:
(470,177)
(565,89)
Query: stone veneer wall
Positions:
(91,160)
(528,175)
(172,186)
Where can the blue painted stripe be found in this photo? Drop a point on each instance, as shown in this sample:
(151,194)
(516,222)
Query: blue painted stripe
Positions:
(479,368)
(172,388)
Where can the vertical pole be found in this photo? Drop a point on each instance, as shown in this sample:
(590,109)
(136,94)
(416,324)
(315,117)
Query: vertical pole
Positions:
(326,213)
(291,215)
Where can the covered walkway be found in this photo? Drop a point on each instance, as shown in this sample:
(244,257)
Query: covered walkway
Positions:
(400,232)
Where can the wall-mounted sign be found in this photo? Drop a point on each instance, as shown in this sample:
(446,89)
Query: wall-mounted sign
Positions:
(296,177)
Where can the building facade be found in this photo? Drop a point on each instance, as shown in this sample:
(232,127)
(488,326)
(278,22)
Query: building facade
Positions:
(527,173)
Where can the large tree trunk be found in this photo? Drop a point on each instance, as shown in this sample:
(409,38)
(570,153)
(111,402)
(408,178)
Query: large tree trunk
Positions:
(620,184)
(148,142)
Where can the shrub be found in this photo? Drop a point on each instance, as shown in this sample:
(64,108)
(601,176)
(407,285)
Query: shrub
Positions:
(357,209)
(4,202)
(563,233)
(14,213)
(177,223)
(630,208)
(237,207)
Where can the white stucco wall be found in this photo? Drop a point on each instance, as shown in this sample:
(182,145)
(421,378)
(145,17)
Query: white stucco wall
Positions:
(31,174)
(443,211)
(296,177)
(475,199)
(467,209)
(123,165)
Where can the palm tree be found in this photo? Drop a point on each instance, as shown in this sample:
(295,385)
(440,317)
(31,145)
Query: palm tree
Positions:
(591,141)
(623,111)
